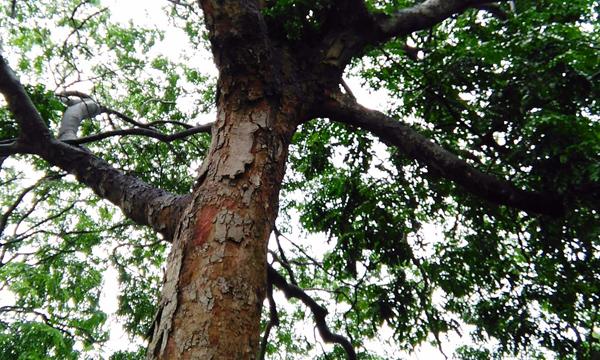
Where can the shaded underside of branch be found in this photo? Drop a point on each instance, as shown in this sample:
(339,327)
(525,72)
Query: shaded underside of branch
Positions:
(353,28)
(423,16)
(29,120)
(414,145)
(139,201)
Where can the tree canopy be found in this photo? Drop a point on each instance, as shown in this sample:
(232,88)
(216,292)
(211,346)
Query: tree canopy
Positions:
(490,137)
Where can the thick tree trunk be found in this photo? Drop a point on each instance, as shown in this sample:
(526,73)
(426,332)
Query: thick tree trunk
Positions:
(216,274)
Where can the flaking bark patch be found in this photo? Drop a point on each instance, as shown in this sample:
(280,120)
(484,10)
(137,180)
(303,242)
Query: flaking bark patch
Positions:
(222,278)
(223,285)
(232,226)
(241,140)
(205,297)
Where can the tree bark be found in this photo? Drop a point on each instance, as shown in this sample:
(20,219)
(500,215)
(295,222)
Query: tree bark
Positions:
(215,281)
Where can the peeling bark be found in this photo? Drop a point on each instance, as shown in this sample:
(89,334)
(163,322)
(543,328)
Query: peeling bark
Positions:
(216,278)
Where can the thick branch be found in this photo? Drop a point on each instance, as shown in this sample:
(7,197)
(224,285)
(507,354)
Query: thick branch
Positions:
(20,105)
(8,149)
(423,16)
(141,202)
(75,113)
(352,28)
(5,151)
(13,9)
(319,312)
(411,143)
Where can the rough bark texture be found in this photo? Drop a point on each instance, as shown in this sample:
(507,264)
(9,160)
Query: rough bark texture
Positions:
(216,277)
(139,201)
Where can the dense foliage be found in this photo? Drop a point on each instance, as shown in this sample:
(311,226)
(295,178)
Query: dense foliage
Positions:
(400,255)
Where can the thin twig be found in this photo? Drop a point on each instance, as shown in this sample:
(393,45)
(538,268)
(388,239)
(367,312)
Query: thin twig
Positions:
(15,204)
(283,261)
(142,132)
(347,89)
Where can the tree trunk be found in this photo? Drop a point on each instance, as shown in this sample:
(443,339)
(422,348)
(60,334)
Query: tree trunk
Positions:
(215,281)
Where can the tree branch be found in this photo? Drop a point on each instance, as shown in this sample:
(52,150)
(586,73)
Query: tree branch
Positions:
(139,201)
(51,322)
(20,197)
(414,145)
(494,9)
(143,132)
(354,28)
(347,89)
(5,151)
(85,107)
(423,16)
(319,312)
(29,120)
(283,261)
(13,9)
(273,321)
(146,125)
(76,112)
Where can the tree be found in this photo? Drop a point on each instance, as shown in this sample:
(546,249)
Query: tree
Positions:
(492,134)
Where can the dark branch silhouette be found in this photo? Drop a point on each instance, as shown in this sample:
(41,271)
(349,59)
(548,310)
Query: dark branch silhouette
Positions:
(319,312)
(273,321)
(392,132)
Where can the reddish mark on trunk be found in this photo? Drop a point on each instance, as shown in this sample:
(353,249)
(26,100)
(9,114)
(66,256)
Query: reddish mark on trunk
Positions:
(204,224)
(205,221)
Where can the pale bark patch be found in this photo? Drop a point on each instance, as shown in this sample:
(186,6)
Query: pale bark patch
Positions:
(168,302)
(241,140)
(232,226)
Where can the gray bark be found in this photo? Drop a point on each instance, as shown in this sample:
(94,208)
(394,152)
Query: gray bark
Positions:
(77,111)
